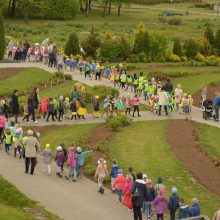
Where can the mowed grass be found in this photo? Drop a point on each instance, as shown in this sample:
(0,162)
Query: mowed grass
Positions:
(193,84)
(13,202)
(73,134)
(23,81)
(143,146)
(209,138)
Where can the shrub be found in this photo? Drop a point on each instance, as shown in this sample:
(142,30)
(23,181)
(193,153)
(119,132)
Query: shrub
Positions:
(209,34)
(107,179)
(177,47)
(119,121)
(184,58)
(124,48)
(200,57)
(2,37)
(68,77)
(212,61)
(142,57)
(205,48)
(217,42)
(132,58)
(191,48)
(130,67)
(58,75)
(89,170)
(175,21)
(72,44)
(174,58)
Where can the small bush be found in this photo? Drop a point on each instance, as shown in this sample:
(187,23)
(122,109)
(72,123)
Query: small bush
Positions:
(174,58)
(142,57)
(119,121)
(89,170)
(212,61)
(130,67)
(175,21)
(100,148)
(200,57)
(107,179)
(68,77)
(184,59)
(132,58)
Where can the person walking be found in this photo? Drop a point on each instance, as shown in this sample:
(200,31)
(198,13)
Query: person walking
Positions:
(138,192)
(173,204)
(101,173)
(217,105)
(31,106)
(31,147)
(15,105)
(10,48)
(163,101)
(136,102)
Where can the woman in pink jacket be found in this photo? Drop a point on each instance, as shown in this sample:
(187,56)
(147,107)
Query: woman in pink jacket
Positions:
(119,184)
(71,162)
(127,201)
(136,102)
(2,124)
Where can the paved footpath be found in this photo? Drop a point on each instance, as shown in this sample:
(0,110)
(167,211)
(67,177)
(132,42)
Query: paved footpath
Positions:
(196,114)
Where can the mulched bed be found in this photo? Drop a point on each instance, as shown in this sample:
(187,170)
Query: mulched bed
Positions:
(6,73)
(180,136)
(210,92)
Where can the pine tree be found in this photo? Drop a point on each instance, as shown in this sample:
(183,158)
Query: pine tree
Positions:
(217,41)
(124,48)
(72,44)
(177,47)
(209,34)
(2,36)
(91,43)
(191,48)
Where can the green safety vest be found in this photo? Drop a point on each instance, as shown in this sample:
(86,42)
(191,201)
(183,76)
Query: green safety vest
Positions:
(140,86)
(146,87)
(8,138)
(129,79)
(123,78)
(151,90)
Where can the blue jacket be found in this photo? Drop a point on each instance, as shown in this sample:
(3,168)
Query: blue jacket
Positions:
(173,202)
(194,211)
(217,101)
(80,158)
(151,194)
(114,171)
(183,211)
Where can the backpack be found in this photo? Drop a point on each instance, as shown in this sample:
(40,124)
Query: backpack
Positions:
(61,106)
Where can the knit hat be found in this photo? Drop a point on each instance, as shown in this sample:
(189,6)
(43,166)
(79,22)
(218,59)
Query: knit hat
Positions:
(162,190)
(144,176)
(174,190)
(159,180)
(59,148)
(78,149)
(47,145)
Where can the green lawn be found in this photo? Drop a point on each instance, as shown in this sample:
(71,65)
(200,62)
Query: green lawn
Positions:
(209,138)
(74,134)
(143,146)
(192,84)
(23,81)
(13,202)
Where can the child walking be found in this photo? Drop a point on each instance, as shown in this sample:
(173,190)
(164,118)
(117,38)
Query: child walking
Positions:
(71,161)
(8,138)
(114,173)
(149,198)
(73,109)
(25,111)
(47,154)
(59,158)
(119,184)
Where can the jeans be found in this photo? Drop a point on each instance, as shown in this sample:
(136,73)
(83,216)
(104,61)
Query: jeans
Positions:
(7,148)
(50,114)
(17,148)
(172,214)
(16,117)
(29,160)
(60,67)
(136,108)
(165,108)
(145,96)
(31,113)
(137,212)
(78,170)
(148,210)
(72,172)
(112,182)
(120,195)
(101,177)
(216,112)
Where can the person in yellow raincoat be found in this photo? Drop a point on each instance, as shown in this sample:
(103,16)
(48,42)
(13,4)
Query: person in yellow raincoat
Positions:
(96,107)
(81,108)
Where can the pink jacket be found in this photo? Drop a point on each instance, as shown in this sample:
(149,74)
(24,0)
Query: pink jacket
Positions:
(119,182)
(71,160)
(2,121)
(127,187)
(136,101)
(128,102)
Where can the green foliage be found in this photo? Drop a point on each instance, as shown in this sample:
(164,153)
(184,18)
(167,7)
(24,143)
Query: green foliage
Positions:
(204,46)
(89,170)
(142,57)
(141,40)
(91,43)
(68,77)
(217,42)
(119,121)
(158,44)
(62,9)
(209,34)
(2,36)
(72,44)
(177,47)
(124,48)
(129,67)
(174,58)
(191,48)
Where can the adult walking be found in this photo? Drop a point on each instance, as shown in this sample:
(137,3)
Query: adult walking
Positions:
(31,105)
(101,173)
(168,86)
(32,146)
(15,105)
(163,100)
(36,100)
(10,48)
(217,105)
(138,192)
(178,93)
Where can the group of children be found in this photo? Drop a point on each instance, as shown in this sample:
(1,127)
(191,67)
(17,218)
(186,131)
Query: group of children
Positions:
(155,195)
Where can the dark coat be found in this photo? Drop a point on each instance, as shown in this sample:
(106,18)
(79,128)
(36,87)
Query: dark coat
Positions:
(140,187)
(50,107)
(31,103)
(173,202)
(14,104)
(194,211)
(73,107)
(151,194)
(169,87)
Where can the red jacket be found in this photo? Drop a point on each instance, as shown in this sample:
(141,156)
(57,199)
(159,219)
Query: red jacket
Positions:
(43,105)
(119,182)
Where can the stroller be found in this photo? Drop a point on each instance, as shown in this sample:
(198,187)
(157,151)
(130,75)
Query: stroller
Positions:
(207,108)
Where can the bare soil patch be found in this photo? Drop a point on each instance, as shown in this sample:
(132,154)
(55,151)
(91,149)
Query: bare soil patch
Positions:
(210,93)
(43,129)
(181,136)
(6,73)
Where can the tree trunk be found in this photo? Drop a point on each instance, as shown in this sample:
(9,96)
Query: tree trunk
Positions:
(12,9)
(9,7)
(105,8)
(90,2)
(87,8)
(109,7)
(119,8)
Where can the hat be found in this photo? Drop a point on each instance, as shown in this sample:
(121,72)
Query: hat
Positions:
(178,86)
(47,145)
(61,98)
(174,190)
(97,97)
(30,132)
(59,148)
(162,191)
(144,176)
(78,149)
